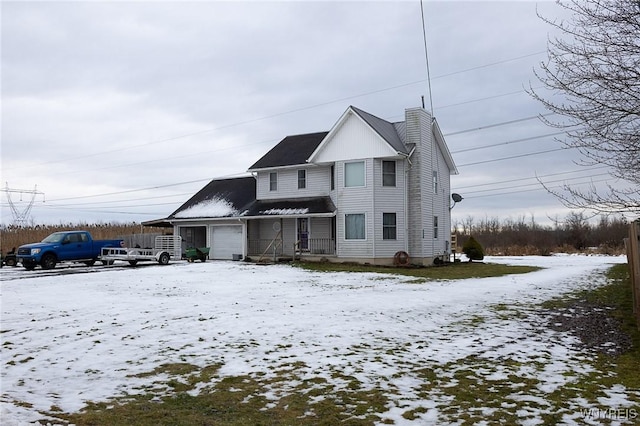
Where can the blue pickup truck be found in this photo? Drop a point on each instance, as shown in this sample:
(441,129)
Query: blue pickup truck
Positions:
(65,246)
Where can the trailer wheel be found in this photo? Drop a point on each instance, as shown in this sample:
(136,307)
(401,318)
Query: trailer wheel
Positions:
(48,261)
(133,262)
(10,261)
(108,262)
(90,262)
(164,258)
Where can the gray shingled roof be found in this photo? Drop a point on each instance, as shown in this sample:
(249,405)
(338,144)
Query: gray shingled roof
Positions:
(385,129)
(291,206)
(238,193)
(290,151)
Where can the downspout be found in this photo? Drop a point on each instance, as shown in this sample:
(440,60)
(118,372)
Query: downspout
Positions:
(407,169)
(373,206)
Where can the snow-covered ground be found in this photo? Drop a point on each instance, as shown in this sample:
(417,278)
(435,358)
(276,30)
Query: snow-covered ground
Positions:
(71,338)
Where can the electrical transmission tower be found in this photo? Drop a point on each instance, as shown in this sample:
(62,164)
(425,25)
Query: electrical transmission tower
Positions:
(21,214)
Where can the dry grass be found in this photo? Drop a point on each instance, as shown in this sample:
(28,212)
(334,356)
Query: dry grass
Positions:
(11,236)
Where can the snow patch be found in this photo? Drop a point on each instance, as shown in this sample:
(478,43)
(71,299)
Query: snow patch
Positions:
(285,212)
(215,207)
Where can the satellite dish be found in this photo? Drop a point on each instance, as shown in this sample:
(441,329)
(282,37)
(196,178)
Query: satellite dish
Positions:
(456,199)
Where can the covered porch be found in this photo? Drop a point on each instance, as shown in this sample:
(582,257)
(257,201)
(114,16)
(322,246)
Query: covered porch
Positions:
(291,237)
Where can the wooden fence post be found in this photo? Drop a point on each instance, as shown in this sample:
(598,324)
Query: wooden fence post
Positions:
(633,258)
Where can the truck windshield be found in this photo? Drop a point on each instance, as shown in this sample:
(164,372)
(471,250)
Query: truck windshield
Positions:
(54,238)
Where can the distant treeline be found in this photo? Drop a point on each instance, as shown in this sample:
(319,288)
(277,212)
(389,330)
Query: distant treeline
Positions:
(507,237)
(15,236)
(524,236)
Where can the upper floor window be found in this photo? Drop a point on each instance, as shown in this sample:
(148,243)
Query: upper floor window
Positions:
(273,181)
(435,182)
(333,177)
(302,179)
(388,173)
(354,174)
(389,226)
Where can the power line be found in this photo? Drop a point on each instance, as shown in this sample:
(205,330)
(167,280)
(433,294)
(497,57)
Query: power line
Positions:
(511,157)
(535,183)
(508,142)
(529,190)
(231,125)
(532,177)
(503,123)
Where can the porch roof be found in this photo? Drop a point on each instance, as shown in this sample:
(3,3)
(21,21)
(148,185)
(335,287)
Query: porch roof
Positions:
(317,206)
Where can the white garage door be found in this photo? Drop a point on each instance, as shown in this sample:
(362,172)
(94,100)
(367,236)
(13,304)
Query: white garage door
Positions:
(225,242)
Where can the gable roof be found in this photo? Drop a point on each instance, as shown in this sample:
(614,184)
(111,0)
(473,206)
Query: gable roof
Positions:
(444,149)
(290,151)
(385,129)
(219,198)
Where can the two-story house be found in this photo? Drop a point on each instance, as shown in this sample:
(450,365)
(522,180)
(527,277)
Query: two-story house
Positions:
(366,191)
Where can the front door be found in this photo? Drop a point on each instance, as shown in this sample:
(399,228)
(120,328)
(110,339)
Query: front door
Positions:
(303,233)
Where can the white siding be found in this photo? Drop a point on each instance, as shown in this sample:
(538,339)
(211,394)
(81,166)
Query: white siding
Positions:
(318,183)
(353,201)
(354,139)
(420,195)
(389,199)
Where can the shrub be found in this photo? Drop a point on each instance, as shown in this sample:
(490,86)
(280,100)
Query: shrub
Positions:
(473,249)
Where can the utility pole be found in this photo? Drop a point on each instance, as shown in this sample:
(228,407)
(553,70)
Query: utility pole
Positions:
(21,214)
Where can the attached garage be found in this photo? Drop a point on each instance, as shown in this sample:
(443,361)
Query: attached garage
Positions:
(226,242)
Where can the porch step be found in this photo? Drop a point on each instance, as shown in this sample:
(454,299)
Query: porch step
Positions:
(269,260)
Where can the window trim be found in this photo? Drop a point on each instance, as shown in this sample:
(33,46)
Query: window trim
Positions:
(435,227)
(435,181)
(273,183)
(332,176)
(386,174)
(364,227)
(386,227)
(364,174)
(302,180)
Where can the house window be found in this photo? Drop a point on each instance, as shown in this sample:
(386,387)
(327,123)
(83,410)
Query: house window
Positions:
(388,226)
(273,181)
(302,179)
(435,227)
(333,177)
(388,173)
(354,226)
(354,174)
(435,182)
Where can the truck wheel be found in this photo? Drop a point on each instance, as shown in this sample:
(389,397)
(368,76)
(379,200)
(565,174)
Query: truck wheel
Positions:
(48,261)
(164,258)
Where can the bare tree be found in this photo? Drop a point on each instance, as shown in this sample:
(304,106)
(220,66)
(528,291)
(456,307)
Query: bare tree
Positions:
(594,65)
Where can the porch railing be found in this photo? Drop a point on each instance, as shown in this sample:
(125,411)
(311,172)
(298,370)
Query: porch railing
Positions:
(314,246)
(257,247)
(320,246)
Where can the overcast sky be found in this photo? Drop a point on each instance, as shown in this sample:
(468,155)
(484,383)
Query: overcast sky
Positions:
(120,111)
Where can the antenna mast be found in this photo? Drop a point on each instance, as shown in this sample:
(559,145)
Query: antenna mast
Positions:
(20,216)
(426,56)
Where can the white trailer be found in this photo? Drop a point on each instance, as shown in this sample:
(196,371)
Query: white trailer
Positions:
(167,247)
